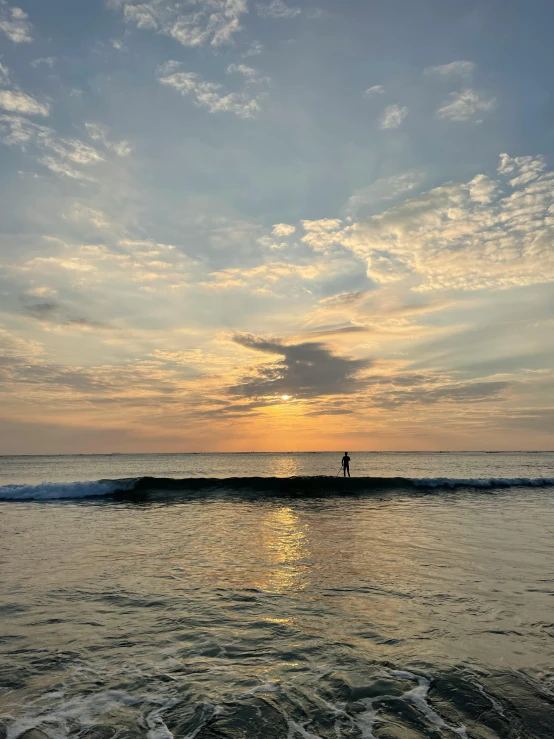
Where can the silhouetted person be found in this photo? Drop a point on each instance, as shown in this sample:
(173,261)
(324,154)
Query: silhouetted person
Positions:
(346,464)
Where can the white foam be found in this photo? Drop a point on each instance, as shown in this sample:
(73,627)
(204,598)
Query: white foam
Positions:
(366,721)
(494,703)
(296,728)
(157,728)
(418,697)
(490,482)
(208,712)
(264,688)
(56,720)
(60,490)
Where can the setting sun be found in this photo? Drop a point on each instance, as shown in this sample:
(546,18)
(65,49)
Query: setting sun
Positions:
(285,397)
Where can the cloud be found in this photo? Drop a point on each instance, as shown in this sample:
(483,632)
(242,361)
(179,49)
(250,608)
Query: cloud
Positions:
(310,371)
(386,188)
(60,155)
(51,380)
(249,73)
(254,49)
(374,91)
(251,76)
(4,75)
(48,61)
(388,313)
(283,229)
(534,419)
(43,311)
(482,189)
(100,133)
(41,292)
(14,23)
(75,151)
(53,312)
(277,9)
(18,350)
(323,233)
(211,22)
(212,96)
(454,69)
(18,131)
(129,271)
(485,233)
(393,116)
(168,67)
(343,299)
(525,169)
(305,370)
(82,214)
(337,330)
(61,167)
(264,278)
(466,105)
(462,392)
(16,101)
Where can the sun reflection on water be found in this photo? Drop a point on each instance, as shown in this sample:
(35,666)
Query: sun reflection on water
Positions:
(283,466)
(284,539)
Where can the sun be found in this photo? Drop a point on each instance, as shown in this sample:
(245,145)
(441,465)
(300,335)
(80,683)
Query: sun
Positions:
(285,397)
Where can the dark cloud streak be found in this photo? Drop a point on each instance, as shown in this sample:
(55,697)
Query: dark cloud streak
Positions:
(305,370)
(53,312)
(470,392)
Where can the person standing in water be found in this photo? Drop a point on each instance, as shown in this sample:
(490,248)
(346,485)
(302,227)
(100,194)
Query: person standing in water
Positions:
(346,464)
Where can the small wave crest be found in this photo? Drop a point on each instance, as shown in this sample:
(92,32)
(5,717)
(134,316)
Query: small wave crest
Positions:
(60,490)
(284,486)
(491,482)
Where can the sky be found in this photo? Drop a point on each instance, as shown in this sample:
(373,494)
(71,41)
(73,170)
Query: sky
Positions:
(232,225)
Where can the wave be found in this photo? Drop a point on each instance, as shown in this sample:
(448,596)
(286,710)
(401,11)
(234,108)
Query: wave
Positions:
(316,486)
(59,490)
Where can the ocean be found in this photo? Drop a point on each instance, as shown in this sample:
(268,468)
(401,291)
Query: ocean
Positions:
(213,596)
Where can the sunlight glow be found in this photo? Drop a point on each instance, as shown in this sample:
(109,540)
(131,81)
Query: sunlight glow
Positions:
(285,397)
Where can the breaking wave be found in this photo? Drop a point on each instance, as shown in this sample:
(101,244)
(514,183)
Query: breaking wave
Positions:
(56,490)
(317,486)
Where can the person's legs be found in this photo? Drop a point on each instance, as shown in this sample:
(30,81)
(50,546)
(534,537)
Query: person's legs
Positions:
(347,469)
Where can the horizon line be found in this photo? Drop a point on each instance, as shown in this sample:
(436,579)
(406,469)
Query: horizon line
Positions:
(309,451)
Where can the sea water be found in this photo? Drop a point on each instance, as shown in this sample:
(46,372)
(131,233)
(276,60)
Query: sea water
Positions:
(210,596)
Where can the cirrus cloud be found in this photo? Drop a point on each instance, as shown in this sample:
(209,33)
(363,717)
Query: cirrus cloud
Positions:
(60,155)
(374,91)
(4,75)
(393,116)
(466,105)
(454,69)
(212,96)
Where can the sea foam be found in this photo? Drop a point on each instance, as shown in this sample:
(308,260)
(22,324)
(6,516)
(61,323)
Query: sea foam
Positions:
(55,490)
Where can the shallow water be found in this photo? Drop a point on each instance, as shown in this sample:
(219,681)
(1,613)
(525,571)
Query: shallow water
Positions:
(384,615)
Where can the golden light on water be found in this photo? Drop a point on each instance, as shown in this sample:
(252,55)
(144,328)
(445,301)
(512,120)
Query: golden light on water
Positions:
(284,541)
